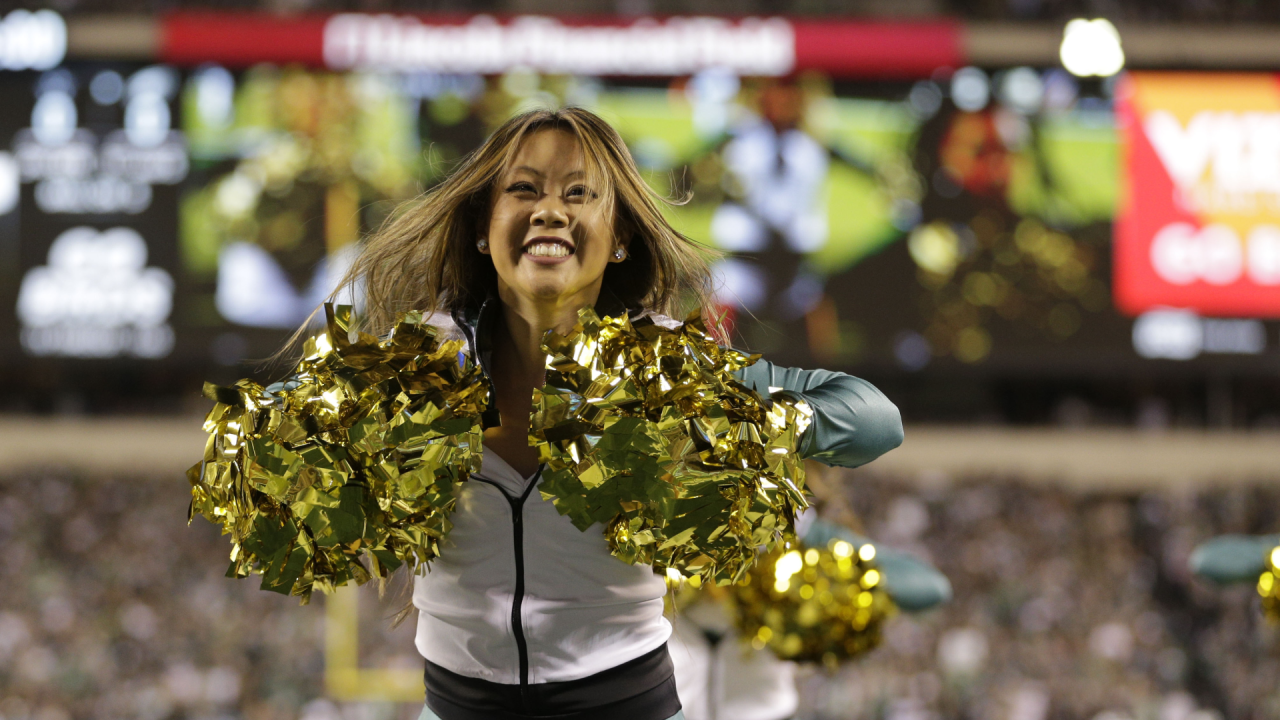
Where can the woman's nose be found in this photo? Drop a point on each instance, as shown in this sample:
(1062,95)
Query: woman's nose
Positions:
(550,212)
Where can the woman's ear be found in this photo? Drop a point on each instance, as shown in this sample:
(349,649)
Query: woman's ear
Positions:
(623,234)
(482,204)
(621,251)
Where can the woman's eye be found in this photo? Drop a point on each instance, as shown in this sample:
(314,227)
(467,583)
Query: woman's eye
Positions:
(580,191)
(521,187)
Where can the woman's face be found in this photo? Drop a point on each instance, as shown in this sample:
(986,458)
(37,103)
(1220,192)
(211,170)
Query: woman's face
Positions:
(548,236)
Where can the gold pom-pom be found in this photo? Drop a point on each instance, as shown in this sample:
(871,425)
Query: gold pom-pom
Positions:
(645,430)
(1269,586)
(814,605)
(357,457)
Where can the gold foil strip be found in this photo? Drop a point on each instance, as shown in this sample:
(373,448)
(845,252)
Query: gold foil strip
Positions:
(348,470)
(1269,586)
(814,605)
(644,430)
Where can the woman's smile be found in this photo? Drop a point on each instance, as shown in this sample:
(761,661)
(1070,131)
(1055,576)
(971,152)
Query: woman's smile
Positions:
(548,250)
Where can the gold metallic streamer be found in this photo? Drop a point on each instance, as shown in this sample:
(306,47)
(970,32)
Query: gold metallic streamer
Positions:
(645,430)
(1269,586)
(814,605)
(357,459)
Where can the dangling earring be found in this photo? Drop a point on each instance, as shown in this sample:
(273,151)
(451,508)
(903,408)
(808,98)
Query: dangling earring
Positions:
(482,244)
(619,254)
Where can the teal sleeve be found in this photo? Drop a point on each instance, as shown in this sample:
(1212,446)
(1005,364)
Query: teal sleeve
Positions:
(1230,559)
(276,388)
(853,422)
(913,584)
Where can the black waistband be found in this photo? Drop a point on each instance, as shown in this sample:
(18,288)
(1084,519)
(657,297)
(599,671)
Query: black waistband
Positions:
(640,689)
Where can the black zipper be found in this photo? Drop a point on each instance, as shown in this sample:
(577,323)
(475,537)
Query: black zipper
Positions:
(517,601)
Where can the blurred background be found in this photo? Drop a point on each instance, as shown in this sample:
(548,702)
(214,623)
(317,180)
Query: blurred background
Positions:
(1049,230)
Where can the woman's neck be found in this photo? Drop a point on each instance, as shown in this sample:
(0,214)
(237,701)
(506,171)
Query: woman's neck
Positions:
(526,322)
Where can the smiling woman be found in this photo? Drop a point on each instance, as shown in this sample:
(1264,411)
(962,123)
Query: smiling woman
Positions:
(522,614)
(550,215)
(551,239)
(432,256)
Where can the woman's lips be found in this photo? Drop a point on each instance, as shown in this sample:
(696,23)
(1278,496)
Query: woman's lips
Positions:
(549,251)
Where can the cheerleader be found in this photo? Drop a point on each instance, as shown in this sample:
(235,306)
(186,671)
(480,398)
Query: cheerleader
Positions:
(523,615)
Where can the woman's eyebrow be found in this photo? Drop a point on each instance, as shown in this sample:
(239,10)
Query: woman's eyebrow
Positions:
(539,173)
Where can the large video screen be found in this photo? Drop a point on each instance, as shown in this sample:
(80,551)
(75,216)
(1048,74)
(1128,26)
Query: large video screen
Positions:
(185,221)
(88,196)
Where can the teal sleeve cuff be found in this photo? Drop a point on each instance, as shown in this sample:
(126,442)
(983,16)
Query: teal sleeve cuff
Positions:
(914,585)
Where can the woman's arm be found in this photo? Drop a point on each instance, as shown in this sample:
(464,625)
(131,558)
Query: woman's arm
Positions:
(853,422)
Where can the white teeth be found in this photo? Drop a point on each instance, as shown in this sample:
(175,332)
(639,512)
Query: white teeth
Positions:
(547,249)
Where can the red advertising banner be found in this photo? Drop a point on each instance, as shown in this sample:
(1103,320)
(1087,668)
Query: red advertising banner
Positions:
(484,44)
(241,39)
(1199,223)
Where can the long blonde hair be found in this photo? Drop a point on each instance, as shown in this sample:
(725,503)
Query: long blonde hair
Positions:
(425,257)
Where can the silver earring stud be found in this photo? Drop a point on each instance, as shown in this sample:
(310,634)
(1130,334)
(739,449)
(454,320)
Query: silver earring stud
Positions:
(482,244)
(619,253)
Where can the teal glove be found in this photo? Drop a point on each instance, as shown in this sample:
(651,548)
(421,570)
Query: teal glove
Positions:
(913,584)
(1230,559)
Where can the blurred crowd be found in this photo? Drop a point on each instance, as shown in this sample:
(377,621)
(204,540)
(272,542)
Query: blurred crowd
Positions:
(112,607)
(1068,605)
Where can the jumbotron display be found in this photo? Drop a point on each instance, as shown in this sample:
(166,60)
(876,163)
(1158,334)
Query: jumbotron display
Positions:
(189,218)
(1201,228)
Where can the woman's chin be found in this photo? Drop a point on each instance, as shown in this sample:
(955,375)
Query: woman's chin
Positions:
(549,283)
(548,290)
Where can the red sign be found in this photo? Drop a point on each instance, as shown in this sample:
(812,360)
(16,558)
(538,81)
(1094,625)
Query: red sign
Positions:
(670,46)
(1199,224)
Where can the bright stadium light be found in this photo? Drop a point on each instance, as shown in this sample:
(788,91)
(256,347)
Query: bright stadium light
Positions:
(1091,48)
(32,40)
(970,89)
